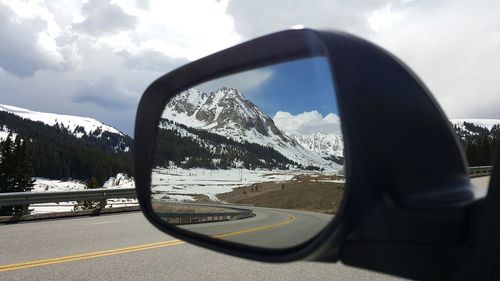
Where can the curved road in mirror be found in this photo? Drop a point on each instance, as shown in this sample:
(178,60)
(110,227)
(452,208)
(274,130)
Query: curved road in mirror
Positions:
(269,228)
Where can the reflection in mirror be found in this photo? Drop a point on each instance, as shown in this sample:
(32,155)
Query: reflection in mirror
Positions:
(255,157)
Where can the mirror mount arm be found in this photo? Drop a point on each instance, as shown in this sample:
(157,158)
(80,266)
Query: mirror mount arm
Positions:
(483,256)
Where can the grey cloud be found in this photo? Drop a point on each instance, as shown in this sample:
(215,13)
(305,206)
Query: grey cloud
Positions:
(151,60)
(106,93)
(259,17)
(143,4)
(107,99)
(20,53)
(103,17)
(454,46)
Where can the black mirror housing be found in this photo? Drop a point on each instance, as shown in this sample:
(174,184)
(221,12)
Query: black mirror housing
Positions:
(404,166)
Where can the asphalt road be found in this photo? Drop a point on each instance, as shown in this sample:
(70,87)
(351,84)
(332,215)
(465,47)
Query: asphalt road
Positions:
(126,247)
(282,228)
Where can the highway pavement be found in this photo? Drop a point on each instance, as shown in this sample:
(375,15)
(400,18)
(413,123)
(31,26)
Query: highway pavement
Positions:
(127,247)
(282,228)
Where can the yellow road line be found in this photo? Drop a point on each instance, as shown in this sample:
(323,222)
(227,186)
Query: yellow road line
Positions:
(253,229)
(89,255)
(118,251)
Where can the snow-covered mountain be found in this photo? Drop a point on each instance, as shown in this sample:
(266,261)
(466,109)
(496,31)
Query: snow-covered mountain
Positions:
(75,124)
(68,147)
(80,127)
(326,145)
(485,123)
(226,112)
(473,131)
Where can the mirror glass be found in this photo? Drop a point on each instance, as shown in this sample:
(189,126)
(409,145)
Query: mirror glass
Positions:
(254,158)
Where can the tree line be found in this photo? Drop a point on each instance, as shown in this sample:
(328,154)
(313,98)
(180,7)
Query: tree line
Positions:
(16,171)
(213,151)
(58,154)
(479,143)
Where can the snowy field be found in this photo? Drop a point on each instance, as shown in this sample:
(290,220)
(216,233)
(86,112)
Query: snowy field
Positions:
(178,184)
(46,185)
(173,184)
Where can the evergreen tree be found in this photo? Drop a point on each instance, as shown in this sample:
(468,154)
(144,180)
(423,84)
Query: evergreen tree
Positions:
(16,172)
(5,168)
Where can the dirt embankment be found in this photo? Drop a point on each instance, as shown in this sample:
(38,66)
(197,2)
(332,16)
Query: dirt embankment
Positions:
(317,193)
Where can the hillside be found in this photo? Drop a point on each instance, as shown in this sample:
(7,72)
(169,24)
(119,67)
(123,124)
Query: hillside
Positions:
(227,113)
(479,137)
(59,153)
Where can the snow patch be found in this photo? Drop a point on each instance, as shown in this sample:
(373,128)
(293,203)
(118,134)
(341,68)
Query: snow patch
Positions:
(175,181)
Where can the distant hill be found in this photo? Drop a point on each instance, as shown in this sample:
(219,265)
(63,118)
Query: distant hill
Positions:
(69,147)
(479,137)
(221,129)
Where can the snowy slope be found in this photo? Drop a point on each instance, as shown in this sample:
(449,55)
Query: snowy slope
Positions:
(486,123)
(228,113)
(70,122)
(323,144)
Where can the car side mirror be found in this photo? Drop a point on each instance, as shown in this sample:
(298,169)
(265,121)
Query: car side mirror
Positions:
(396,179)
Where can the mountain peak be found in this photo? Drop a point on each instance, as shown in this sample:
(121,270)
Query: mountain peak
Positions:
(218,109)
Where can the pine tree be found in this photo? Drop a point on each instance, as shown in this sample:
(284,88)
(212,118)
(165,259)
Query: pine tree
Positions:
(16,172)
(5,168)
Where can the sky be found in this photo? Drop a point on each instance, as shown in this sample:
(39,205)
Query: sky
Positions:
(95,58)
(299,95)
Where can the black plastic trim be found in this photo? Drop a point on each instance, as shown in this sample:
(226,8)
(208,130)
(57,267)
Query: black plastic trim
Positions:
(402,156)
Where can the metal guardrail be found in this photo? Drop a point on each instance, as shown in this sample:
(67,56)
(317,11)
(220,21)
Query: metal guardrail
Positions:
(181,203)
(24,198)
(231,212)
(479,171)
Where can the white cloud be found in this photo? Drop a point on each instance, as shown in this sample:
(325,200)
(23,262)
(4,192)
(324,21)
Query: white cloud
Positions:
(308,122)
(383,18)
(259,17)
(454,46)
(93,56)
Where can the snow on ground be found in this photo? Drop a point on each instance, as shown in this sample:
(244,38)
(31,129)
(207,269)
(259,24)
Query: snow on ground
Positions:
(4,133)
(173,183)
(120,181)
(332,181)
(42,185)
(177,183)
(47,185)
